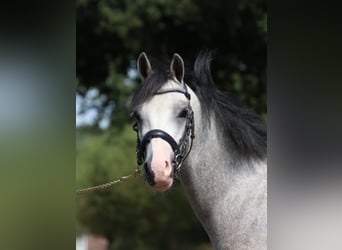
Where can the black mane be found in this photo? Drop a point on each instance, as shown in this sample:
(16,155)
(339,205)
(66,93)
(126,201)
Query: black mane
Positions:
(242,128)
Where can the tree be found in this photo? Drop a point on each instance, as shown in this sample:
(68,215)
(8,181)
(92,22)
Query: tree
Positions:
(111,34)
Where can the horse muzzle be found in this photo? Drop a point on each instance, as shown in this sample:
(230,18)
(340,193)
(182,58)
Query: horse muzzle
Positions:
(158,167)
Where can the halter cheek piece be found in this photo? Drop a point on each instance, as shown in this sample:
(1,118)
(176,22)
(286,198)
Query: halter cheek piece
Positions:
(180,150)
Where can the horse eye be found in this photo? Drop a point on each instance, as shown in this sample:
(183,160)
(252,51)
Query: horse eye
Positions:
(183,113)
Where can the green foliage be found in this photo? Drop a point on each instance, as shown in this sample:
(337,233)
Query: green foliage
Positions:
(129,214)
(111,34)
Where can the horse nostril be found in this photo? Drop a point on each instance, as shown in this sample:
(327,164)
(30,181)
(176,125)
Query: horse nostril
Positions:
(149,175)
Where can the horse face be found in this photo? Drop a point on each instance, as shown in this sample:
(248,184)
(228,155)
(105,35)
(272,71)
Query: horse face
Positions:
(165,112)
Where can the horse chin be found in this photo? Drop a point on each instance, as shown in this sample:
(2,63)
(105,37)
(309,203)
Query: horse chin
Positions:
(163,185)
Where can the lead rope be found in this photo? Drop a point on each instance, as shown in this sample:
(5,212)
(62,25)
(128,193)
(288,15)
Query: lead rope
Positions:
(108,184)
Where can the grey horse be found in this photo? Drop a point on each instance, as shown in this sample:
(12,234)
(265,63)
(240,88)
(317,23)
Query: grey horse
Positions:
(190,130)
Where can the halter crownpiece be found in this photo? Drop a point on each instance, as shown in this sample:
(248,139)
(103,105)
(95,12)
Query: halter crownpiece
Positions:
(185,92)
(180,150)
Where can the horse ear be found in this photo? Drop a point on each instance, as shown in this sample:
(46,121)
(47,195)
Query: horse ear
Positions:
(143,65)
(177,67)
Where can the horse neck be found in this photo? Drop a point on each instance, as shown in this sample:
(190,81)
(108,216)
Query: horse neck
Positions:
(218,182)
(211,164)
(210,168)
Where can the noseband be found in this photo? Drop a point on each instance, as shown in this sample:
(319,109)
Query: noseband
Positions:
(179,150)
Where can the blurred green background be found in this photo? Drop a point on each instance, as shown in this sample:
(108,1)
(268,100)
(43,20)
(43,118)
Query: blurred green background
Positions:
(110,36)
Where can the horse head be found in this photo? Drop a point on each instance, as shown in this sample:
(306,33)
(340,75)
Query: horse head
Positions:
(164,122)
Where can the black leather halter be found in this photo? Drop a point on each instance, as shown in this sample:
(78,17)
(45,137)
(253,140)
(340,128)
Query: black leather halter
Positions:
(180,150)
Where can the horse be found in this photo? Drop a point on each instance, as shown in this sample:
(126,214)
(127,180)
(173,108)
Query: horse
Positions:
(189,130)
